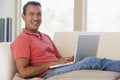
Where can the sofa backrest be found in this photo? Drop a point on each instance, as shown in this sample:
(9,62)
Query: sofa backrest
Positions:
(7,66)
(66,42)
(109,44)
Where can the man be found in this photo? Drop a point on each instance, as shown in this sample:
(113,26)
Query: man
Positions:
(34,52)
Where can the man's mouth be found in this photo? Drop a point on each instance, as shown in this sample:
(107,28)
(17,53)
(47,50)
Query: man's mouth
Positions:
(35,22)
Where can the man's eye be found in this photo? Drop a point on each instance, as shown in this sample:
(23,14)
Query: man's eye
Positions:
(39,14)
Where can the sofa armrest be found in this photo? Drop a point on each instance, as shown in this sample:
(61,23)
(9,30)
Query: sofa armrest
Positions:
(7,66)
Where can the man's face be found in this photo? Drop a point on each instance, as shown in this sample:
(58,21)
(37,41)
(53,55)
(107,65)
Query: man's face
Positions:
(32,18)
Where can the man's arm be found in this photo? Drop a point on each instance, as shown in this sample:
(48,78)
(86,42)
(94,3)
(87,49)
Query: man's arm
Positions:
(27,71)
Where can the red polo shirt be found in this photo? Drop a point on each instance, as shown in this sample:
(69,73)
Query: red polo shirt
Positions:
(38,48)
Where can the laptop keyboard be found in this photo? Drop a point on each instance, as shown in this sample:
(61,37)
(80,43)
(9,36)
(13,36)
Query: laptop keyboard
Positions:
(60,65)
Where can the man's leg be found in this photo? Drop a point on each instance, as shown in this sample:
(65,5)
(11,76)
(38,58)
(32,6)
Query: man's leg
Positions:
(110,65)
(87,63)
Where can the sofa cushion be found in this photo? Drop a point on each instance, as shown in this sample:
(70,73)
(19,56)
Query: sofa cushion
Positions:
(87,75)
(17,77)
(66,42)
(7,66)
(109,46)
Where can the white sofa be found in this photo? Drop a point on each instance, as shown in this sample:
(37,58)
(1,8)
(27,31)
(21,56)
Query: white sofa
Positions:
(109,47)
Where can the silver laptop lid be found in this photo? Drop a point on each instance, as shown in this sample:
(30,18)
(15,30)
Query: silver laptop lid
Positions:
(87,45)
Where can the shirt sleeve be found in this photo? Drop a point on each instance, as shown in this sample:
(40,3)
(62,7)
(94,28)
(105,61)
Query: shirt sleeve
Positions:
(21,47)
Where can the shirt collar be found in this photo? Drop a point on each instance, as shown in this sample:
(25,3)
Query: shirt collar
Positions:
(31,33)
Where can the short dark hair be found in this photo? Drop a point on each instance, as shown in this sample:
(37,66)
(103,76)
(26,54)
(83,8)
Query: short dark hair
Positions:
(30,3)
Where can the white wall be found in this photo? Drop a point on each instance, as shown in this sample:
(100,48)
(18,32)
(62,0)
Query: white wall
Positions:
(7,8)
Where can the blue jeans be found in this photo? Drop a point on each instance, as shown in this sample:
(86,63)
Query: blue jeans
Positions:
(87,63)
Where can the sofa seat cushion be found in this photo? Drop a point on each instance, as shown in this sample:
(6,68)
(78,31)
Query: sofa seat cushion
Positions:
(87,75)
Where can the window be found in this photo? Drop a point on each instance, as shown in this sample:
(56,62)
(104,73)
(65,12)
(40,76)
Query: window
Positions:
(103,15)
(56,15)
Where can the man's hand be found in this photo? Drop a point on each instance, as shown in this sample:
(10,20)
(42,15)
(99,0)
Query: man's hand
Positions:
(63,60)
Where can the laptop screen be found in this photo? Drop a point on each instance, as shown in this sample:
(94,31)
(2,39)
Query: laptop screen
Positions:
(87,45)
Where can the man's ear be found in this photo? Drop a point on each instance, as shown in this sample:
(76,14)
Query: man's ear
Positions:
(23,16)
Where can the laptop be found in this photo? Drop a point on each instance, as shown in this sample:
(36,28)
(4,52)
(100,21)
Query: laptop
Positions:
(87,45)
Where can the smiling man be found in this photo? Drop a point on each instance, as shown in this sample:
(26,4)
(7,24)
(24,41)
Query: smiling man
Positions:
(34,52)
(32,17)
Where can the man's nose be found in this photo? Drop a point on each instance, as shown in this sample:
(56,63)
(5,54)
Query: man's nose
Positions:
(36,17)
